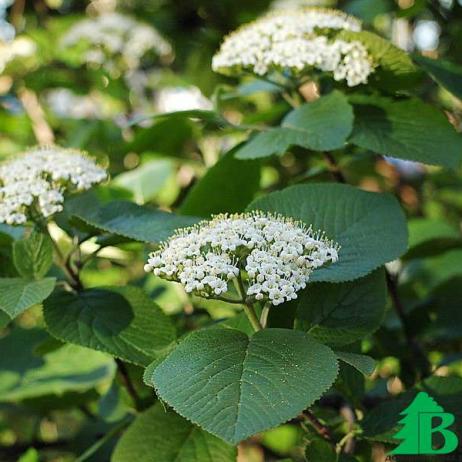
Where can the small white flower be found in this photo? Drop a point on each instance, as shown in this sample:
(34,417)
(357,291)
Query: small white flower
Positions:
(274,256)
(296,41)
(34,183)
(115,40)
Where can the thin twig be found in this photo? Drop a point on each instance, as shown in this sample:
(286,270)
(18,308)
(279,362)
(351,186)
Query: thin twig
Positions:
(127,382)
(322,429)
(414,346)
(334,168)
(74,278)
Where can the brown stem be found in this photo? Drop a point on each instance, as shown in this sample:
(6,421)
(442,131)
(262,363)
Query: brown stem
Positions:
(414,346)
(323,430)
(127,382)
(74,276)
(334,168)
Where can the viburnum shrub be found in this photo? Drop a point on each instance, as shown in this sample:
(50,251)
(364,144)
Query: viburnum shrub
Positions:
(276,269)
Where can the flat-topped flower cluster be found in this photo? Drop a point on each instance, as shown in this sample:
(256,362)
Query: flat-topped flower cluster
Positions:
(33,184)
(296,41)
(116,41)
(270,255)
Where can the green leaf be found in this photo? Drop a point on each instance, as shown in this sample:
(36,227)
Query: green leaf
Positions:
(445,73)
(158,435)
(320,451)
(122,321)
(33,255)
(323,125)
(134,221)
(23,374)
(16,295)
(431,237)
(146,180)
(370,227)
(230,195)
(207,116)
(407,129)
(395,70)
(362,363)
(339,314)
(234,386)
(350,383)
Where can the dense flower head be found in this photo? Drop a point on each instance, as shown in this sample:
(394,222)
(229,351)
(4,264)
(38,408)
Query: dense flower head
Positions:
(271,255)
(116,41)
(33,184)
(296,41)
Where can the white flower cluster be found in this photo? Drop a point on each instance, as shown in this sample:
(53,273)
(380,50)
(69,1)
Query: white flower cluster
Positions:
(21,47)
(272,256)
(116,41)
(35,182)
(296,41)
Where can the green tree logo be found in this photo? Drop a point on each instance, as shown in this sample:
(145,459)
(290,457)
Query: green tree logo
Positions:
(423,418)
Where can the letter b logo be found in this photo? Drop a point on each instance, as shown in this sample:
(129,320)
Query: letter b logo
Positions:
(425,423)
(426,432)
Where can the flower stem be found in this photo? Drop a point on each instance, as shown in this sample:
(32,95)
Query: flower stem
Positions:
(248,307)
(253,318)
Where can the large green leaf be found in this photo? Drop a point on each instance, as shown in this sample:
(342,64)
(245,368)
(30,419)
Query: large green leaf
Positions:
(370,227)
(234,386)
(339,314)
(159,435)
(122,321)
(394,70)
(407,129)
(447,74)
(133,221)
(430,237)
(230,195)
(323,125)
(16,295)
(33,255)
(24,374)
